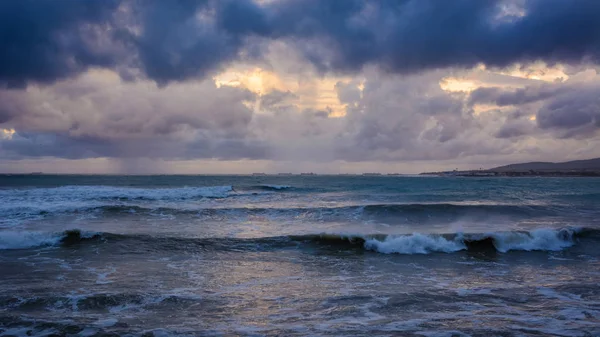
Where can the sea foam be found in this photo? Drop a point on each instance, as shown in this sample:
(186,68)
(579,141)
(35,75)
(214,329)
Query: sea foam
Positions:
(25,239)
(414,244)
(539,239)
(32,239)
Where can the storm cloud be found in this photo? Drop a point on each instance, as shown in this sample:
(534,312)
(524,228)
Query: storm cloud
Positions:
(45,40)
(578,113)
(180,40)
(100,116)
(354,81)
(569,109)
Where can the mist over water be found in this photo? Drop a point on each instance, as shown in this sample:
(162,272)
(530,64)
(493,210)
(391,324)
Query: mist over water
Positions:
(299,255)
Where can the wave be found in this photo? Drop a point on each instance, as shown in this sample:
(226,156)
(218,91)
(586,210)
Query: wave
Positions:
(453,208)
(263,189)
(119,193)
(96,301)
(536,240)
(383,212)
(540,239)
(34,239)
(274,187)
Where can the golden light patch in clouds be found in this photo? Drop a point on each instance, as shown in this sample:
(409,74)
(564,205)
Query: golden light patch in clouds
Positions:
(454,84)
(316,93)
(482,77)
(320,94)
(257,80)
(7,133)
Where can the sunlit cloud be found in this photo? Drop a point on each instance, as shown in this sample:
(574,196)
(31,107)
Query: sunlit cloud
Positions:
(453,84)
(7,133)
(257,80)
(315,93)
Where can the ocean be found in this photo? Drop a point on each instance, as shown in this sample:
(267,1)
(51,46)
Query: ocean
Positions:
(299,256)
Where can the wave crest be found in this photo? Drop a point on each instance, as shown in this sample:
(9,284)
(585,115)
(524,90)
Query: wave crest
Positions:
(378,212)
(33,239)
(539,239)
(119,193)
(414,244)
(417,243)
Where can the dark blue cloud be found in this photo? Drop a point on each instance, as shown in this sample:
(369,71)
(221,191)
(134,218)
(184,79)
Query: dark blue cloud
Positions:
(414,35)
(169,40)
(44,40)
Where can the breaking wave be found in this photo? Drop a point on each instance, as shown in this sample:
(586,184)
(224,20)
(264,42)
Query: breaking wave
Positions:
(33,239)
(540,239)
(417,243)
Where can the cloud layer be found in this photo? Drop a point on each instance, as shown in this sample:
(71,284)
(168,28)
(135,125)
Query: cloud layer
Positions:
(178,40)
(410,80)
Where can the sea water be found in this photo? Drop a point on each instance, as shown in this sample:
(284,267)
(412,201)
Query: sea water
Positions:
(299,256)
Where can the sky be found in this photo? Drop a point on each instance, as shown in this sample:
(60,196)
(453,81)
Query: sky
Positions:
(328,86)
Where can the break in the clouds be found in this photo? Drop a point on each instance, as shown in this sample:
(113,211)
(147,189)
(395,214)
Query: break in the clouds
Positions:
(349,81)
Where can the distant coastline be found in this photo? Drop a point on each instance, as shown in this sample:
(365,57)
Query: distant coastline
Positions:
(489,173)
(577,168)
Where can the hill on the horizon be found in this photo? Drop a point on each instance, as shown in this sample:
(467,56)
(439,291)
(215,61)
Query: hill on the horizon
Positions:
(580,165)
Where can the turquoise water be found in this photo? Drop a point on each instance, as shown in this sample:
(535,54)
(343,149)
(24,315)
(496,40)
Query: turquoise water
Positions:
(299,255)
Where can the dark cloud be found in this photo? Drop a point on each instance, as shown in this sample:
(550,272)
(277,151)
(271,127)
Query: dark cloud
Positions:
(414,35)
(177,40)
(44,144)
(515,128)
(185,38)
(132,121)
(46,40)
(579,112)
(565,109)
(64,145)
(570,108)
(506,97)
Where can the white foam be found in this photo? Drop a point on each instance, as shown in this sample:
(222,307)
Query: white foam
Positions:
(26,239)
(31,239)
(102,278)
(277,187)
(20,205)
(25,331)
(107,322)
(539,239)
(414,244)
